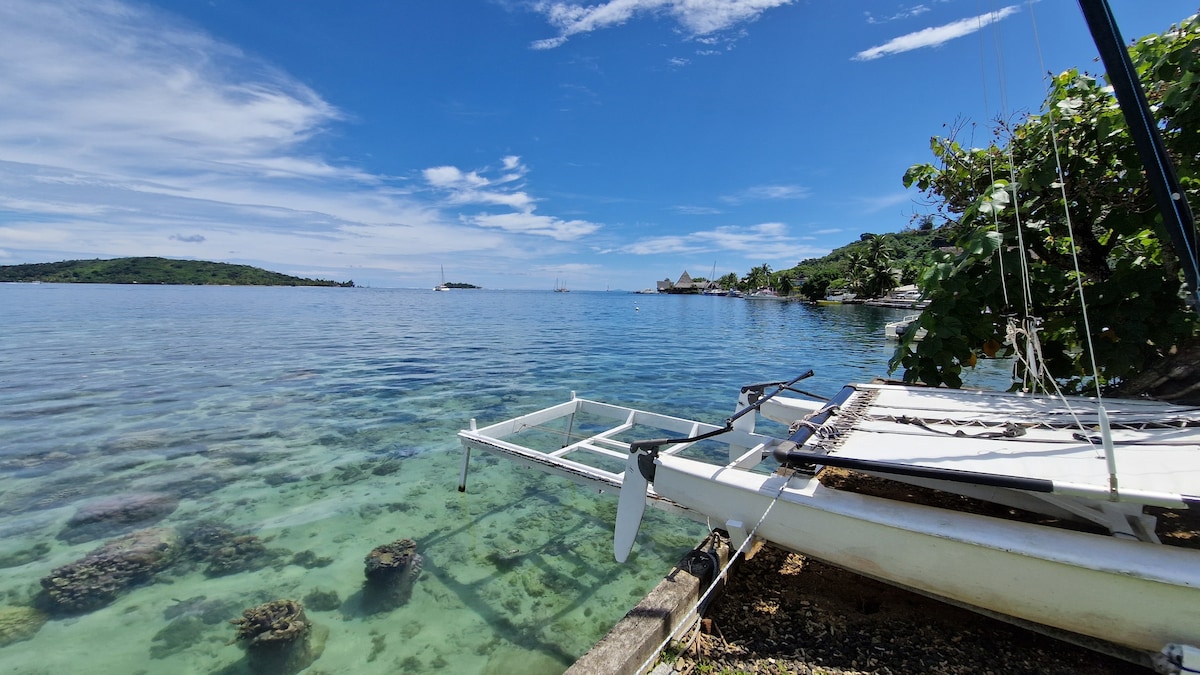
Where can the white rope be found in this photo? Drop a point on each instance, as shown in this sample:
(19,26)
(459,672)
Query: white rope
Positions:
(1027,331)
(991,161)
(1012,169)
(1105,432)
(823,431)
(1029,366)
(712,586)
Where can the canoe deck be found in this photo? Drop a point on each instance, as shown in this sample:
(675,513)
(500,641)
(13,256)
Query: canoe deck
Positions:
(1156,445)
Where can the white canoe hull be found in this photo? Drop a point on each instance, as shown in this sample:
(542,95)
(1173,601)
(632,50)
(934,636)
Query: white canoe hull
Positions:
(1135,594)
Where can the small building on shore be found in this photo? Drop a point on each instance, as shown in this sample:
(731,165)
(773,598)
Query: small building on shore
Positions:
(683,286)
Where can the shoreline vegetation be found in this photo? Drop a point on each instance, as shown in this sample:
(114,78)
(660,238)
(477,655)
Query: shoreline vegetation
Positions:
(869,267)
(157,271)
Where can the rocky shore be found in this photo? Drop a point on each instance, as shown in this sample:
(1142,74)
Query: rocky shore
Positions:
(782,613)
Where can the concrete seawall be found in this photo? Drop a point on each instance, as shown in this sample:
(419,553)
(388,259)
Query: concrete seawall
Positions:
(636,637)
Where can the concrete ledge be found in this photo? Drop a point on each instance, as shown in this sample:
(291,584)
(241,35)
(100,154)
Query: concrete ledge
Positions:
(636,637)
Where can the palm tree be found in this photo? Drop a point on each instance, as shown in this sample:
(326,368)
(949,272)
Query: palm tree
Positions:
(759,277)
(879,251)
(878,278)
(783,283)
(856,270)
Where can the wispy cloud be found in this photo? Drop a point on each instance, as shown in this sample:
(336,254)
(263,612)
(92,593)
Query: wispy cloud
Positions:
(101,84)
(903,13)
(462,188)
(527,222)
(881,202)
(470,187)
(766,241)
(689,210)
(936,35)
(767,193)
(695,17)
(126,131)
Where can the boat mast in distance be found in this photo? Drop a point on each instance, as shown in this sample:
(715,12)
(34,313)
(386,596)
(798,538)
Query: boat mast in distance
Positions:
(442,286)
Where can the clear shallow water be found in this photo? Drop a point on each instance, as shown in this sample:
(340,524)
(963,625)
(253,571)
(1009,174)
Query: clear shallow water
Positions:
(322,421)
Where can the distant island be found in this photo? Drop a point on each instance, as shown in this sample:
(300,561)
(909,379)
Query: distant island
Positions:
(154,271)
(456,284)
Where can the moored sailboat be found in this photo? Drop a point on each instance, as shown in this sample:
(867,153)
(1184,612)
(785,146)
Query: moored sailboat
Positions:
(442,286)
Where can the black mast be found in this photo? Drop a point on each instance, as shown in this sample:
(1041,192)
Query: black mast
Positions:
(1160,171)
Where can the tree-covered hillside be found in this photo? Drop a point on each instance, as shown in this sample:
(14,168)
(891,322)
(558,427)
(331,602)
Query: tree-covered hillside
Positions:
(874,264)
(869,267)
(154,271)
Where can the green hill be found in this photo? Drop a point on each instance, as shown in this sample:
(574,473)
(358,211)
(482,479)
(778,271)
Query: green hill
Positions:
(909,249)
(874,262)
(154,271)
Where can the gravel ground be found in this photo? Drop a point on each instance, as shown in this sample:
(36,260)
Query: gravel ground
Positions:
(783,613)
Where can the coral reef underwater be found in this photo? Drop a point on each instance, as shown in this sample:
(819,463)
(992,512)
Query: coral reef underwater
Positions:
(118,514)
(277,636)
(100,576)
(391,570)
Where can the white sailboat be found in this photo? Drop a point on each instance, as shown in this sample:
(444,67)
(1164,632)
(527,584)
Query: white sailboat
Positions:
(712,287)
(442,286)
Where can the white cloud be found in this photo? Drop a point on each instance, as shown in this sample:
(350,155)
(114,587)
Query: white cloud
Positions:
(904,13)
(688,210)
(767,193)
(105,85)
(881,202)
(764,241)
(695,17)
(529,223)
(659,245)
(126,131)
(450,177)
(936,35)
(462,188)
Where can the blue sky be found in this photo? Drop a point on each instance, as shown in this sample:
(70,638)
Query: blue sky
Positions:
(514,143)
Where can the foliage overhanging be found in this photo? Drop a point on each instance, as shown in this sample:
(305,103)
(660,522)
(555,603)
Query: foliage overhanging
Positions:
(1018,217)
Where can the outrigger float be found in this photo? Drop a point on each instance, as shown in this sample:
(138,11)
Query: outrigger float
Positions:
(1090,568)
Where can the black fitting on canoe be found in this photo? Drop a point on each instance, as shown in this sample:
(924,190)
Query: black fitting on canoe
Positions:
(646,465)
(756,390)
(795,458)
(651,445)
(783,451)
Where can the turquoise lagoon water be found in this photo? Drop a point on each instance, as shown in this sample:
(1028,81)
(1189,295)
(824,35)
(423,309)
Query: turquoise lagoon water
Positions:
(315,424)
